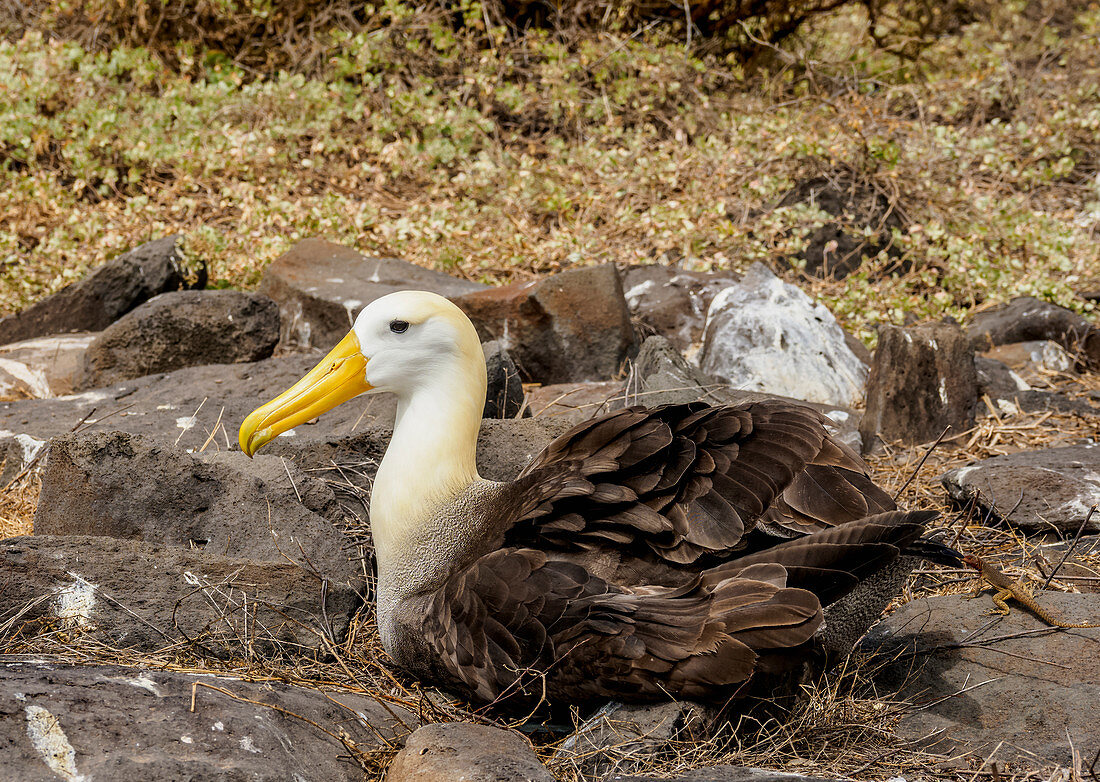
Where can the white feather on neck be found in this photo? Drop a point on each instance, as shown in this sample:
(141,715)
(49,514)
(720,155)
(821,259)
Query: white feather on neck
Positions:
(431,457)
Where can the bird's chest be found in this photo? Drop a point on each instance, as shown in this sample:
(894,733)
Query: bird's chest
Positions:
(414,567)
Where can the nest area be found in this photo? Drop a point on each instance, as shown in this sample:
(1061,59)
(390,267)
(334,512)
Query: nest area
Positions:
(841,728)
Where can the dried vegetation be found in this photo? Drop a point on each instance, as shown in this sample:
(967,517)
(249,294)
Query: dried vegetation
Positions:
(498,153)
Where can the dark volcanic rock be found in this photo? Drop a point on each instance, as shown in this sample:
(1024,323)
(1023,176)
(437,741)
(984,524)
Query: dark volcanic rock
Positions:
(104,295)
(321,286)
(504,395)
(133,487)
(569,327)
(135,725)
(922,380)
(1039,491)
(673,302)
(183,329)
(997,380)
(982,684)
(765,335)
(663,376)
(131,594)
(1025,318)
(441,752)
(1012,395)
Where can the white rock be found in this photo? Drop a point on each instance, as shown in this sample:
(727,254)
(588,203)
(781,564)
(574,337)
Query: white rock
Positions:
(765,335)
(42,367)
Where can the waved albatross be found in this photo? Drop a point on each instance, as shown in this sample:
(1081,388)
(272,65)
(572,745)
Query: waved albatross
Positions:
(640,556)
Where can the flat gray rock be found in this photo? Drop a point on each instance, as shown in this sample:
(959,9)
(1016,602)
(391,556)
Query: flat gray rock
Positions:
(442,752)
(1048,490)
(134,725)
(183,329)
(137,488)
(766,335)
(145,596)
(321,287)
(976,681)
(104,294)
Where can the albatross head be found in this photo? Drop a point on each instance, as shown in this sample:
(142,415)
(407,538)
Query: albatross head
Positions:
(412,343)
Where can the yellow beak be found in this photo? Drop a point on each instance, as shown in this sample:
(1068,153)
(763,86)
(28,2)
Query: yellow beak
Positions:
(338,378)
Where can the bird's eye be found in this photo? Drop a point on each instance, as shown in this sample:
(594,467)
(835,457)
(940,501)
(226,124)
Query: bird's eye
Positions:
(399,326)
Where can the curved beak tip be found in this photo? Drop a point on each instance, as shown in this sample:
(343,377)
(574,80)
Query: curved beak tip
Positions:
(339,377)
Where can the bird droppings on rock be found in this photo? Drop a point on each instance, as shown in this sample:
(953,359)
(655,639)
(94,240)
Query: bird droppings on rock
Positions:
(51,743)
(673,302)
(75,603)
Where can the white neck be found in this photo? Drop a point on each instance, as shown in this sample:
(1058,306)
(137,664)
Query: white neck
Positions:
(431,457)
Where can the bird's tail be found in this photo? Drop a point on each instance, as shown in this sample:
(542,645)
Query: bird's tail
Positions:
(830,563)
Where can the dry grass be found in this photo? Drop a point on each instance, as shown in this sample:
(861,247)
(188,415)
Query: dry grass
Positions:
(18,501)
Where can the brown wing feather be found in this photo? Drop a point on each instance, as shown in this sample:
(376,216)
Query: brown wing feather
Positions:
(673,483)
(514,616)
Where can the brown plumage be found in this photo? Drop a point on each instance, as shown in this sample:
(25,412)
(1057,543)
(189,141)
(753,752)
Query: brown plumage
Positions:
(621,565)
(672,551)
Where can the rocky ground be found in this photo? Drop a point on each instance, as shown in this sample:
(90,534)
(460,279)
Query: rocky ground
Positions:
(176,609)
